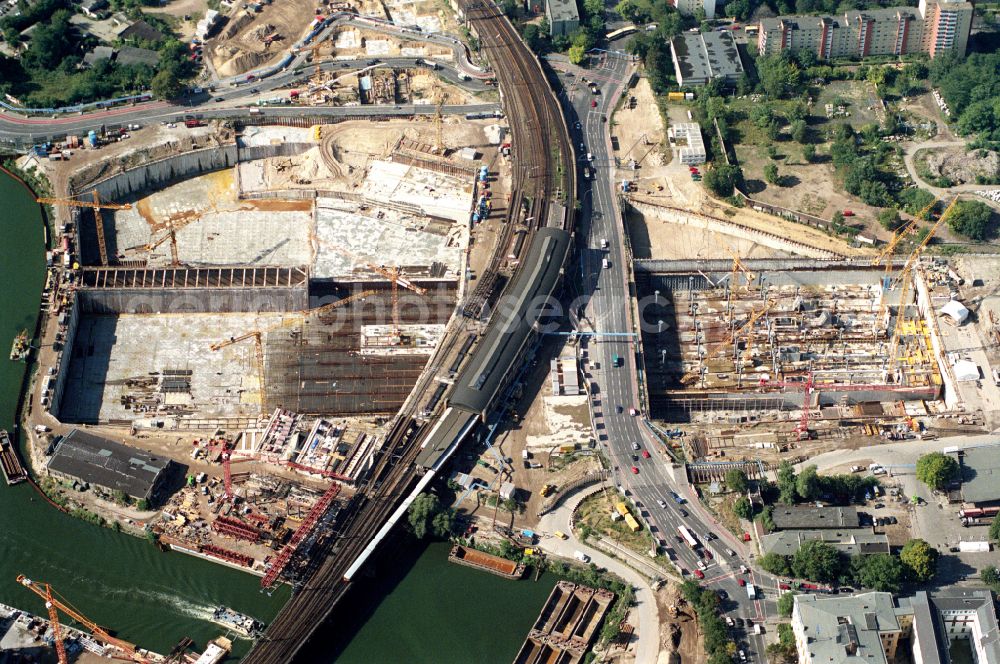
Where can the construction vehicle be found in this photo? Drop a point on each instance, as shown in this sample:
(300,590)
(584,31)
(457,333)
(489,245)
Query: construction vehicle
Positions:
(96,206)
(52,603)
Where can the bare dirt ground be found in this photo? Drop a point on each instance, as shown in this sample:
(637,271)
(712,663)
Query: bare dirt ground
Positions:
(180,8)
(641,137)
(239,45)
(341,160)
(959,165)
(678,635)
(652,238)
(925,108)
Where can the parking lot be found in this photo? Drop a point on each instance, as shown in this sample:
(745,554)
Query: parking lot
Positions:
(934,520)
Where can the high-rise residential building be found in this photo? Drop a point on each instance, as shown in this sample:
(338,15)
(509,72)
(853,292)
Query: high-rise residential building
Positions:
(691,7)
(933,27)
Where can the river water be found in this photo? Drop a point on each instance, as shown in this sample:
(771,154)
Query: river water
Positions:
(419,608)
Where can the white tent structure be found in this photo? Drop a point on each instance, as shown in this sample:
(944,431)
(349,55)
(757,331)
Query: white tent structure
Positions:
(956,311)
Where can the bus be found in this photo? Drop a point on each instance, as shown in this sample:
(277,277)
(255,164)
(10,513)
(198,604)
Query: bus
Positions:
(688,536)
(620,32)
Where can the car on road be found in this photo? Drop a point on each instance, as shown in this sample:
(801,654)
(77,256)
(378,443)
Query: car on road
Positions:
(635,471)
(742,582)
(708,554)
(683,513)
(645,454)
(577,125)
(662,504)
(710,536)
(879,506)
(219,99)
(635,457)
(699,574)
(593,103)
(633,412)
(635,446)
(560,534)
(740,622)
(619,410)
(254,91)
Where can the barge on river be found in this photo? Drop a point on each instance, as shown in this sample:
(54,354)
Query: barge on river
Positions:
(13,471)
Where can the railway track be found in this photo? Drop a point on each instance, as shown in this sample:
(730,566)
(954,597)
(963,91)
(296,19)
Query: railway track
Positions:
(541,148)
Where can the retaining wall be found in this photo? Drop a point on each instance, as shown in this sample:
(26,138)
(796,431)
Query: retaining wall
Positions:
(206,300)
(681,217)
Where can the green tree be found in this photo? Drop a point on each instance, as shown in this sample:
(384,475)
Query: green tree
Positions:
(995,528)
(743,508)
(809,152)
(723,179)
(817,561)
(936,469)
(881,571)
(785,604)
(577,54)
(443,523)
(919,559)
(807,484)
(786,483)
(775,564)
(778,74)
(991,577)
(771,174)
(889,219)
(422,514)
(736,480)
(510,8)
(142,505)
(971,219)
(166,84)
(800,131)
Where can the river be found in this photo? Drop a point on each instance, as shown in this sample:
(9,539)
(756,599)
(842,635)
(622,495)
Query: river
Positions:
(419,609)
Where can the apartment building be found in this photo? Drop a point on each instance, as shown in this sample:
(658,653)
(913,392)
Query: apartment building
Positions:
(933,27)
(691,7)
(871,627)
(563,15)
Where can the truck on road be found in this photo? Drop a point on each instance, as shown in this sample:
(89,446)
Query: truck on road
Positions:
(751,591)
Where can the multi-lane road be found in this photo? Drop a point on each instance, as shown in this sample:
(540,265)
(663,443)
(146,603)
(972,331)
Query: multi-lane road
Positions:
(604,282)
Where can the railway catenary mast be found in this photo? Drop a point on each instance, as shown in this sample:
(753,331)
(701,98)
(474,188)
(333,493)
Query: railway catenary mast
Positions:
(544,179)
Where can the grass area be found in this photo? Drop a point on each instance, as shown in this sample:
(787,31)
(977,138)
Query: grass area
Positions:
(594,517)
(858,98)
(722,507)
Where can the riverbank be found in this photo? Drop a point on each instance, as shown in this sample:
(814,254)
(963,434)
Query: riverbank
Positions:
(146,596)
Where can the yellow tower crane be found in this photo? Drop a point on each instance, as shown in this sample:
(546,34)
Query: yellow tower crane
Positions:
(97,206)
(904,281)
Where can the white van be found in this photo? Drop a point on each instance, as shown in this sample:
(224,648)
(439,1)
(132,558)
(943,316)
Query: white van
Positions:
(604,243)
(581,556)
(606,263)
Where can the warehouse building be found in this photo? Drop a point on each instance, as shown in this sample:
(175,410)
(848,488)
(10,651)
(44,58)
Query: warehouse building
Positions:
(849,541)
(979,475)
(108,466)
(705,56)
(932,28)
(815,518)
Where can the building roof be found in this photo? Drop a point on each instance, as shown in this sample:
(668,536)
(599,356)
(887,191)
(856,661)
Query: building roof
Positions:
(850,541)
(107,464)
(91,5)
(130,55)
(563,10)
(786,518)
(847,629)
(99,53)
(141,30)
(979,469)
(927,609)
(516,312)
(701,57)
(956,311)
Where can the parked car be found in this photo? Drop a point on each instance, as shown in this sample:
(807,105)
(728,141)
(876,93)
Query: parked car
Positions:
(699,574)
(742,582)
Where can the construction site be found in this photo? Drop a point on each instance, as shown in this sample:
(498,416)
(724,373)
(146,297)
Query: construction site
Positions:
(271,303)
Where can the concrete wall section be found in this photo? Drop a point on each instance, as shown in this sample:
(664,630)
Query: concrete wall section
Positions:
(158,174)
(62,364)
(208,300)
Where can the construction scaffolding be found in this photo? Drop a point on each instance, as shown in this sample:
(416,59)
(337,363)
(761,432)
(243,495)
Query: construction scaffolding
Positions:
(795,340)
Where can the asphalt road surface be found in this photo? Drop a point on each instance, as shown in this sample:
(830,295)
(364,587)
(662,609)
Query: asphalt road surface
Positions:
(650,482)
